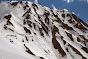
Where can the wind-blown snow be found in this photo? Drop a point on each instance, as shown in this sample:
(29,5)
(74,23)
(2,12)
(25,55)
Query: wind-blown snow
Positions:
(68,1)
(54,7)
(36,1)
(32,31)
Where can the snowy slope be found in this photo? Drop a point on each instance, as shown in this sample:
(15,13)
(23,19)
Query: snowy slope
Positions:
(32,31)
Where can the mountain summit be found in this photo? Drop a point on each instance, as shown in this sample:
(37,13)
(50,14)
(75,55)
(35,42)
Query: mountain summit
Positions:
(32,31)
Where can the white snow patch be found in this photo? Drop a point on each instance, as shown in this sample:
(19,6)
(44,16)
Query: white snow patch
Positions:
(65,10)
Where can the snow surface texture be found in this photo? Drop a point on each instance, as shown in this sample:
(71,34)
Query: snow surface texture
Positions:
(32,31)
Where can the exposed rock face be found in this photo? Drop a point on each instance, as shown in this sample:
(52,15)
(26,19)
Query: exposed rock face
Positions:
(44,32)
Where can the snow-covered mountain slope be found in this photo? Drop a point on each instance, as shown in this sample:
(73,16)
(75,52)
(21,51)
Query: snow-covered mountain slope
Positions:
(32,31)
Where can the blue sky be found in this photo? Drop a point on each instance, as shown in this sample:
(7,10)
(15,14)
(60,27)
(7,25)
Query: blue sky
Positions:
(79,7)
